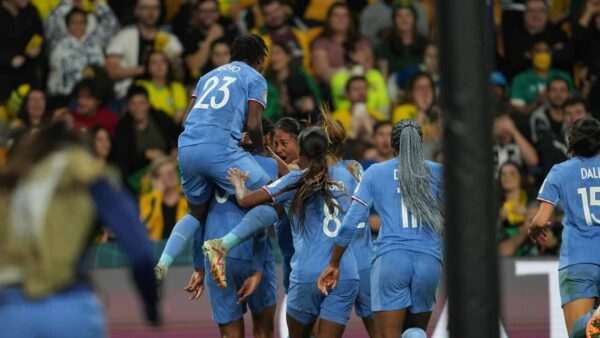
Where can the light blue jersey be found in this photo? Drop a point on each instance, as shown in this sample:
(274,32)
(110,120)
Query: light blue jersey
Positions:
(221,107)
(314,242)
(399,228)
(576,185)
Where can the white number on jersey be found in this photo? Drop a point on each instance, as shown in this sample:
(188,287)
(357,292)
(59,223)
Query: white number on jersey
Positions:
(209,87)
(590,219)
(405,216)
(221,199)
(329,217)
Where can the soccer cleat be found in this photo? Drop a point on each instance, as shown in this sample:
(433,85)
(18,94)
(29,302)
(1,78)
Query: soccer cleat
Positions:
(216,252)
(160,272)
(593,326)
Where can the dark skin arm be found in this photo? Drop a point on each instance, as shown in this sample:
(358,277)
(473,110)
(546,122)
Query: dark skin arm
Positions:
(254,125)
(329,277)
(541,223)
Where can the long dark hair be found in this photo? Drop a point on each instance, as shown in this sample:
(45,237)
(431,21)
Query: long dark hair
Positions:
(501,193)
(352,35)
(395,40)
(169,78)
(335,132)
(315,180)
(49,139)
(414,177)
(289,125)
(584,137)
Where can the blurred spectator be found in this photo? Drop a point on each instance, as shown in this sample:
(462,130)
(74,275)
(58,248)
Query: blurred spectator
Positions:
(198,25)
(291,90)
(513,240)
(528,90)
(32,116)
(339,37)
(356,65)
(89,108)
(575,108)
(44,7)
(220,55)
(129,50)
(21,38)
(277,29)
(510,145)
(165,93)
(73,54)
(548,128)
(142,135)
(403,46)
(421,106)
(520,37)
(382,145)
(122,9)
(358,119)
(161,208)
(376,17)
(399,80)
(586,38)
(101,143)
(99,26)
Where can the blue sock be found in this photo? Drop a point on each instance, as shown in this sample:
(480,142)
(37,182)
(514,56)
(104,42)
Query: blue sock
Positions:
(182,232)
(414,332)
(578,329)
(256,220)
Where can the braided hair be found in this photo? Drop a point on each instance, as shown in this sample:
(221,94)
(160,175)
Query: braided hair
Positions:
(414,177)
(584,137)
(250,49)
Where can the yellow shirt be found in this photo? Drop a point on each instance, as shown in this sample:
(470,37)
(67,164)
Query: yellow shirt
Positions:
(44,7)
(345,116)
(169,99)
(151,213)
(403,112)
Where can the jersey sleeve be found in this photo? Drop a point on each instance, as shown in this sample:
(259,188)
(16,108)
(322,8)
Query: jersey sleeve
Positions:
(363,193)
(550,192)
(276,188)
(363,200)
(257,90)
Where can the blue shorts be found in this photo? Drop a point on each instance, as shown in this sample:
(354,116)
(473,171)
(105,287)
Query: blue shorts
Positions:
(224,301)
(412,283)
(75,313)
(286,267)
(579,281)
(203,165)
(305,302)
(362,305)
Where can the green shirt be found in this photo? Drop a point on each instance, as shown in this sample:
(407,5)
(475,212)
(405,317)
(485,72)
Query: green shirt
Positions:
(527,86)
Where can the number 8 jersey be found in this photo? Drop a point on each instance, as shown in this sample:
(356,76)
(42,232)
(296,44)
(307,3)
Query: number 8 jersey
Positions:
(576,185)
(220,110)
(314,242)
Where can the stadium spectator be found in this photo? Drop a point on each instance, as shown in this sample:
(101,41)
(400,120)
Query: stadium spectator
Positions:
(198,25)
(73,53)
(548,128)
(161,208)
(382,145)
(277,29)
(21,38)
(32,116)
(165,93)
(122,9)
(519,39)
(357,65)
(528,90)
(339,37)
(220,54)
(101,143)
(358,120)
(89,108)
(128,51)
(397,82)
(142,135)
(100,25)
(586,38)
(291,90)
(575,108)
(511,145)
(376,18)
(403,46)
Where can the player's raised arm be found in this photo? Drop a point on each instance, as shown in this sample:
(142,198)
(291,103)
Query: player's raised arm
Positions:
(254,125)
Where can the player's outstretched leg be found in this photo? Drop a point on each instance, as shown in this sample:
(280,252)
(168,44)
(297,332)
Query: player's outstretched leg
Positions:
(255,221)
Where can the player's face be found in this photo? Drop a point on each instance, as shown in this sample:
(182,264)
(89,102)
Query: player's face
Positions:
(383,140)
(279,59)
(510,178)
(208,12)
(158,65)
(139,108)
(87,104)
(102,143)
(558,93)
(77,25)
(167,173)
(148,12)
(574,112)
(340,20)
(274,14)
(404,20)
(286,146)
(36,106)
(221,55)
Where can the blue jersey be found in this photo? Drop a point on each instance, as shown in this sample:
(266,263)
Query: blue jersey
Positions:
(576,185)
(399,228)
(224,214)
(221,106)
(314,242)
(362,245)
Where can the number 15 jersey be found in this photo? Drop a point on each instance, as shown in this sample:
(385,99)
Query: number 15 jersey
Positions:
(221,106)
(576,185)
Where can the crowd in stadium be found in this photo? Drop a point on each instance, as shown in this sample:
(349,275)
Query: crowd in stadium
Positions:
(123,71)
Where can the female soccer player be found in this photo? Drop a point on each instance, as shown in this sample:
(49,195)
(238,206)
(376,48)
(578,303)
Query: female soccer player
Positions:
(575,183)
(51,192)
(315,199)
(406,192)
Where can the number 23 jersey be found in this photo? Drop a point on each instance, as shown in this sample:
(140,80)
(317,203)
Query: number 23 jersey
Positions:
(314,242)
(221,106)
(576,185)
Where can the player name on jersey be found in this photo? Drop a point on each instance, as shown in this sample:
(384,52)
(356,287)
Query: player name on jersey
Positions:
(589,173)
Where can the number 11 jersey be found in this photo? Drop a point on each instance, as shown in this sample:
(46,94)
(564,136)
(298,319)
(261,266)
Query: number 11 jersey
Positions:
(221,106)
(576,185)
